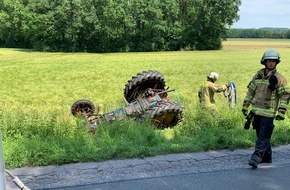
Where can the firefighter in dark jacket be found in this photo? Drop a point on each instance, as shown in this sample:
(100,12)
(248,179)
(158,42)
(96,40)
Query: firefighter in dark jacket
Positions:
(268,95)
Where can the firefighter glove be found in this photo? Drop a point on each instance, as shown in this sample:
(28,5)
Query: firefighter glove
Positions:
(245,112)
(273,81)
(281,114)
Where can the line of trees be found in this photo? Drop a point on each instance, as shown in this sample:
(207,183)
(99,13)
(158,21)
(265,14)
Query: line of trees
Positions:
(116,25)
(278,33)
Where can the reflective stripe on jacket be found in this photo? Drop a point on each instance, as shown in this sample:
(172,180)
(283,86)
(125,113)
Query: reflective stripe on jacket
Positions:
(267,93)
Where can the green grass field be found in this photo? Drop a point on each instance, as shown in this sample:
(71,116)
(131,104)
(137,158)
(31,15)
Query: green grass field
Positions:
(38,89)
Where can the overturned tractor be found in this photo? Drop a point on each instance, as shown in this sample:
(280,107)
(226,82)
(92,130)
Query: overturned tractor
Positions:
(146,98)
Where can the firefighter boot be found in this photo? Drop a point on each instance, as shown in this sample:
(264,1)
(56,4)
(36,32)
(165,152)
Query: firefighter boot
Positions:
(255,160)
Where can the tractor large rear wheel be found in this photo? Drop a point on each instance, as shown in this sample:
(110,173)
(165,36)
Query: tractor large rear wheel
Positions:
(141,82)
(165,114)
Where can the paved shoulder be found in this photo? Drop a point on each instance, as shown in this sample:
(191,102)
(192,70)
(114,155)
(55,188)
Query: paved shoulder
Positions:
(122,170)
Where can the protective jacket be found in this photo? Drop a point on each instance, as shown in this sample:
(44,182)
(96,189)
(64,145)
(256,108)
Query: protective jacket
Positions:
(206,94)
(267,93)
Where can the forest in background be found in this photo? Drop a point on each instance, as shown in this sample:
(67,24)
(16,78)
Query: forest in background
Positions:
(266,32)
(123,25)
(116,25)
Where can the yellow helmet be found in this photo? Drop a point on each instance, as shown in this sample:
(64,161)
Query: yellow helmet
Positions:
(213,75)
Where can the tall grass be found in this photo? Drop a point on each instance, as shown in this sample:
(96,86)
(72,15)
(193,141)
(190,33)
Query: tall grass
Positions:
(38,89)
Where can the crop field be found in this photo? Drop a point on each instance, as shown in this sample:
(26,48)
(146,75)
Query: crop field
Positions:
(38,89)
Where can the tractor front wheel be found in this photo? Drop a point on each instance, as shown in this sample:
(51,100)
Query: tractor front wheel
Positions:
(81,107)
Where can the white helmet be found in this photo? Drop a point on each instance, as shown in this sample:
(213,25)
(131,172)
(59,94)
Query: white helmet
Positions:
(213,75)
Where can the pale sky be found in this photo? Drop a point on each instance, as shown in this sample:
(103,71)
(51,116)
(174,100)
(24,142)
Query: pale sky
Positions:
(264,13)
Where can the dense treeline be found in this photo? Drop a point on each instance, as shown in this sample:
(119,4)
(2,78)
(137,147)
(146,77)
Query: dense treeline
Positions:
(116,25)
(278,33)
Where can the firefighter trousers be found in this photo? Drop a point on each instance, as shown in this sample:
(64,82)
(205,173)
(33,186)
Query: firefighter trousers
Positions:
(264,127)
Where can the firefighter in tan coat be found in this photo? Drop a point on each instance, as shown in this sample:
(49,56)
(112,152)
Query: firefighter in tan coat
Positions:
(268,95)
(207,91)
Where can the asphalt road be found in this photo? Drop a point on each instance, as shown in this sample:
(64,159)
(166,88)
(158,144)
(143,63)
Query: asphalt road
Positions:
(267,177)
(223,169)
